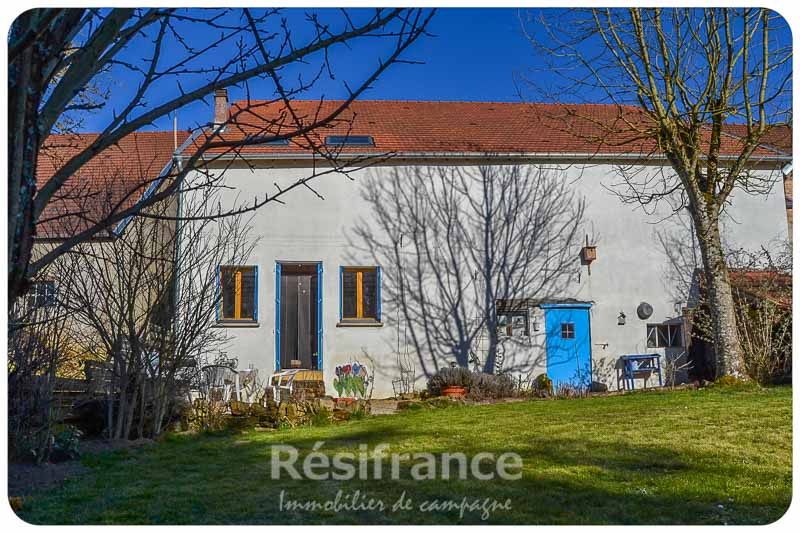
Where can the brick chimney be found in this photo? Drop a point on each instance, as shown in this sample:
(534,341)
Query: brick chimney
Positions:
(221,112)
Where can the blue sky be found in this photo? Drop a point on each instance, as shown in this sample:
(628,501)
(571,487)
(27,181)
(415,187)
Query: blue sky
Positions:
(473,54)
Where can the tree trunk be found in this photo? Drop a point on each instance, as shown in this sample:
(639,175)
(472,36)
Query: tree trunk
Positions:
(24,97)
(491,332)
(719,299)
(28,76)
(142,408)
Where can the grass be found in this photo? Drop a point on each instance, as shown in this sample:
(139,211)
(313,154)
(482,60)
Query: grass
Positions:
(719,455)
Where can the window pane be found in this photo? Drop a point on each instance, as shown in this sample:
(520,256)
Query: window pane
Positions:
(663,336)
(228,282)
(519,323)
(248,293)
(652,341)
(349,294)
(369,288)
(51,293)
(675,336)
(567,330)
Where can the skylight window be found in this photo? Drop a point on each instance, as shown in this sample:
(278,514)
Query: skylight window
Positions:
(349,140)
(277,142)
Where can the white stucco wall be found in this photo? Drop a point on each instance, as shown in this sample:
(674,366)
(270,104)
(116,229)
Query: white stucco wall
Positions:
(631,266)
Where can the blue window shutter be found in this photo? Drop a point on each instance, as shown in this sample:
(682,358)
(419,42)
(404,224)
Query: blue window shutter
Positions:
(219,292)
(277,316)
(341,273)
(255,296)
(378,307)
(319,316)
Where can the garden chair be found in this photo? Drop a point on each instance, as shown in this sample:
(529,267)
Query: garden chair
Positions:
(246,385)
(282,381)
(218,382)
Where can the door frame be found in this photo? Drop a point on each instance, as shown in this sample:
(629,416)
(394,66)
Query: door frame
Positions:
(278,310)
(573,305)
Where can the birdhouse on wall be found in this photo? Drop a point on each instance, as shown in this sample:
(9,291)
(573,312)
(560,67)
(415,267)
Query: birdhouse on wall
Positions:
(588,254)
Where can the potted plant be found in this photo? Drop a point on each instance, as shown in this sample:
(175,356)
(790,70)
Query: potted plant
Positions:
(451,382)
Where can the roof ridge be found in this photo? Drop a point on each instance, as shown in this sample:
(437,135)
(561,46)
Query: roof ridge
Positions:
(83,133)
(392,100)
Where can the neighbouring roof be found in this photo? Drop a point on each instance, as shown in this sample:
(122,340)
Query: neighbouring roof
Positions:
(764,285)
(427,127)
(111,181)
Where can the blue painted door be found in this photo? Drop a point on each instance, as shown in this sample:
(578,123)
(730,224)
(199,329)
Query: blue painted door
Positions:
(568,340)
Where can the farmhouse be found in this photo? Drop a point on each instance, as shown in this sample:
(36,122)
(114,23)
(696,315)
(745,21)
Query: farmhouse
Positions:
(313,295)
(317,297)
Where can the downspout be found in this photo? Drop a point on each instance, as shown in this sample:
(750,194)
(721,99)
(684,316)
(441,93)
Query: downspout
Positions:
(178,161)
(787,172)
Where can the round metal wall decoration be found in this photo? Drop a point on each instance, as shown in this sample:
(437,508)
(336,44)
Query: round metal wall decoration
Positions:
(644,310)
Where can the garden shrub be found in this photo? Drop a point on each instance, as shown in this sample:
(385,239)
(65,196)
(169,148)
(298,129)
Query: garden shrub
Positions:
(543,386)
(66,444)
(491,386)
(730,381)
(449,377)
(480,386)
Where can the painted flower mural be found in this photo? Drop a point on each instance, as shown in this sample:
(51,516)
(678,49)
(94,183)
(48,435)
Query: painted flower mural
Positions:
(351,379)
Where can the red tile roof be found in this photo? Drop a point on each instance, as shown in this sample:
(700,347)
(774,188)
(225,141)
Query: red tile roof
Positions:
(764,284)
(119,176)
(418,127)
(779,137)
(111,181)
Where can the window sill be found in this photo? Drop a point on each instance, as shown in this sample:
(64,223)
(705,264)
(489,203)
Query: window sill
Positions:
(236,324)
(359,324)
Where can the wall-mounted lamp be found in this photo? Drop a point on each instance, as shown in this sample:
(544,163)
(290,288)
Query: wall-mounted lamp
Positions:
(535,325)
(621,319)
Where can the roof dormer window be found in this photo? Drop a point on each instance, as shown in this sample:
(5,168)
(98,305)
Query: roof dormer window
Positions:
(349,140)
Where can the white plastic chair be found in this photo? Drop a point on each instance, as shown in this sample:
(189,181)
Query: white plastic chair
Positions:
(285,381)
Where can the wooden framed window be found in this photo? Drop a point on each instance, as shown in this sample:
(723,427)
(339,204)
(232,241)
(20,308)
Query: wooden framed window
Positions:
(360,294)
(664,336)
(42,293)
(567,330)
(238,287)
(513,323)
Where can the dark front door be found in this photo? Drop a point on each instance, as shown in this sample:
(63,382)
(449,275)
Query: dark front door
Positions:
(298,315)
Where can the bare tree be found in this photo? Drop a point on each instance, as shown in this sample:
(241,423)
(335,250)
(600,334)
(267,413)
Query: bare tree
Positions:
(61,59)
(42,347)
(708,88)
(455,242)
(762,292)
(145,300)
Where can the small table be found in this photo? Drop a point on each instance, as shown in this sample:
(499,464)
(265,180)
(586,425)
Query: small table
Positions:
(640,365)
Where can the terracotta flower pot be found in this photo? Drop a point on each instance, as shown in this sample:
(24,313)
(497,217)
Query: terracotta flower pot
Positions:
(454,392)
(345,401)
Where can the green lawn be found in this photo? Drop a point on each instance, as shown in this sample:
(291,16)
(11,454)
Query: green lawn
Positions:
(708,456)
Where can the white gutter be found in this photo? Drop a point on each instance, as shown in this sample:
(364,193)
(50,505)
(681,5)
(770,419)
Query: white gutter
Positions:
(544,156)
